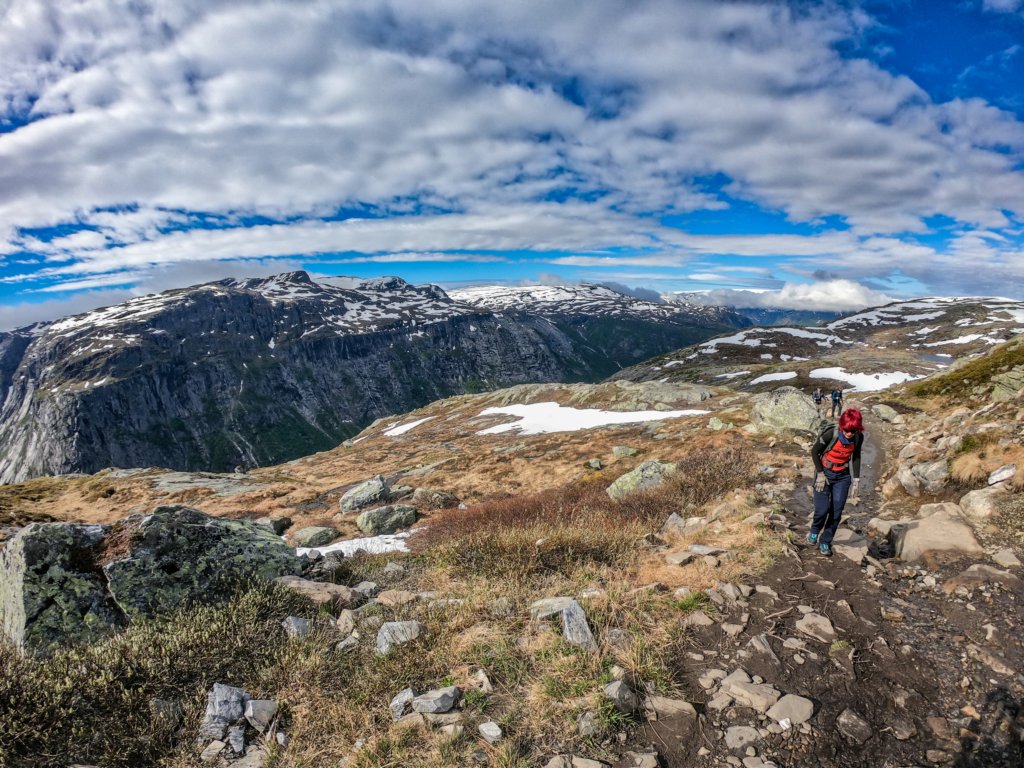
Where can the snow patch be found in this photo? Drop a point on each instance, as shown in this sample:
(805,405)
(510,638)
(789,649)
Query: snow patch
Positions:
(783,376)
(396,431)
(544,418)
(373,545)
(864,382)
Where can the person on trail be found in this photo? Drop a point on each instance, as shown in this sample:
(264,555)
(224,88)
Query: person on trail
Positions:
(819,396)
(837,402)
(836,457)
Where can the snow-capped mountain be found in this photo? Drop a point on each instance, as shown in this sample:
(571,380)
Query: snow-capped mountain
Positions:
(260,371)
(586,299)
(877,347)
(615,328)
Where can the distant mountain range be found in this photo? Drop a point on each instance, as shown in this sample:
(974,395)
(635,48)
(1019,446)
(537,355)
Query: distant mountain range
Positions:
(866,350)
(255,372)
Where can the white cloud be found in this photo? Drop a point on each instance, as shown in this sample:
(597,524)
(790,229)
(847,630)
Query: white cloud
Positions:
(1003,6)
(293,110)
(824,296)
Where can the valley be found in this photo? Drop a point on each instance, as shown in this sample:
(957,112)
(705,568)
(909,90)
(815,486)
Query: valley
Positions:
(589,574)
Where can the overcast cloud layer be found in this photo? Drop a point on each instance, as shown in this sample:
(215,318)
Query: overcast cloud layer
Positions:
(153,138)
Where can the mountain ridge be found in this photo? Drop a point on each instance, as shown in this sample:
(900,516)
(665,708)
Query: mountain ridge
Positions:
(257,371)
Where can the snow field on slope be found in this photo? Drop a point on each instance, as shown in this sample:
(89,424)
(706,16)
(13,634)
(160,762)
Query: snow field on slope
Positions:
(396,431)
(864,382)
(544,418)
(782,376)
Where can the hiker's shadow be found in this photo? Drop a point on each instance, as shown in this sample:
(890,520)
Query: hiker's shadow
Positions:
(995,740)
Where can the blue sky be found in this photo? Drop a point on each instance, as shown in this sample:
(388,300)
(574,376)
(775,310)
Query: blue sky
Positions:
(825,155)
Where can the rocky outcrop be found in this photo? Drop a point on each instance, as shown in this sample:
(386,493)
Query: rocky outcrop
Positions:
(256,372)
(65,582)
(646,477)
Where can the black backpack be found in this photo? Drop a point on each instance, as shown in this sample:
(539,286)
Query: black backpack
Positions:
(820,439)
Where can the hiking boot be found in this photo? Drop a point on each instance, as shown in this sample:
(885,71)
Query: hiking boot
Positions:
(825,549)
(812,538)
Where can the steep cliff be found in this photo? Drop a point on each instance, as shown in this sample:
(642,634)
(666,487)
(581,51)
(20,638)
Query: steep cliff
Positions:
(611,330)
(260,371)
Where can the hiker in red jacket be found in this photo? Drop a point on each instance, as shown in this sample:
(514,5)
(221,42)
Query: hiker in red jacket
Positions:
(836,457)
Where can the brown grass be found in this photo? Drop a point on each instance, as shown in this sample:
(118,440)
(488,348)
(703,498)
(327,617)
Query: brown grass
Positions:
(968,469)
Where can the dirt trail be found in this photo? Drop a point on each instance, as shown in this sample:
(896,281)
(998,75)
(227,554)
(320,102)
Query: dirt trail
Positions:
(929,686)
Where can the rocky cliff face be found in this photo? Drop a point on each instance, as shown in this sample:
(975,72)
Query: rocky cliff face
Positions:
(257,371)
(612,330)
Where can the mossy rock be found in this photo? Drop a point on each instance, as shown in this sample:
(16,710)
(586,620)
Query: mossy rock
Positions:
(71,583)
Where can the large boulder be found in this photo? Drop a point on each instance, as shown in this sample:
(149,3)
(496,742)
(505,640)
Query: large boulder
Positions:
(943,531)
(51,587)
(786,411)
(63,582)
(366,494)
(177,555)
(646,477)
(382,520)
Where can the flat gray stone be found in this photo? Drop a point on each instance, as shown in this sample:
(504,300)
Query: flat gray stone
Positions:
(740,737)
(791,707)
(261,713)
(395,633)
(1005,472)
(402,700)
(491,732)
(549,606)
(1006,558)
(853,726)
(575,629)
(296,627)
(759,697)
(817,626)
(623,697)
(438,701)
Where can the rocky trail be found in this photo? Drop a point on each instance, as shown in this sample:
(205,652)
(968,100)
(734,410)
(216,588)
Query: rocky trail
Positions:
(854,660)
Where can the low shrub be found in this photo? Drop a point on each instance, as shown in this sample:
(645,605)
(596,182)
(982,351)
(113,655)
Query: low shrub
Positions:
(91,704)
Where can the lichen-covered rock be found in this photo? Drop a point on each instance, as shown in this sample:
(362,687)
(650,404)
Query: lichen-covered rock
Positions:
(786,411)
(177,555)
(885,412)
(382,520)
(1006,386)
(314,536)
(646,477)
(429,498)
(51,587)
(367,493)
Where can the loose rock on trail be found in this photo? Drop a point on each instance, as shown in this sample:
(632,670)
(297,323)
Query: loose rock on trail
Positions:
(911,674)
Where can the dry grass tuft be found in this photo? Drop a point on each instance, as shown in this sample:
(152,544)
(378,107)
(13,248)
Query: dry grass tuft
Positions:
(968,469)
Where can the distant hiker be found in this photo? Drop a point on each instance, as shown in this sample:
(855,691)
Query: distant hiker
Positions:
(837,402)
(836,457)
(819,396)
